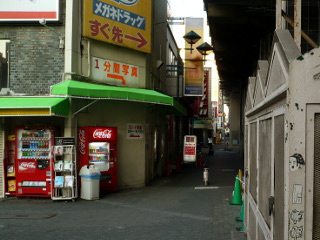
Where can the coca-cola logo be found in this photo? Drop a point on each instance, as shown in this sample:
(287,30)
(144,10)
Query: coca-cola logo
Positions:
(25,166)
(82,141)
(102,133)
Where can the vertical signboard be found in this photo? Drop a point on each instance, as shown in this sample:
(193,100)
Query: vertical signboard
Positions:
(215,109)
(126,23)
(190,148)
(21,11)
(194,64)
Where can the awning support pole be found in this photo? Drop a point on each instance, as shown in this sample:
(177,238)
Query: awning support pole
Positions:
(84,107)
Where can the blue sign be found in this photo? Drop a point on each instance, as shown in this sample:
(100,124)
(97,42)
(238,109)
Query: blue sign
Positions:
(119,15)
(127,2)
(193,90)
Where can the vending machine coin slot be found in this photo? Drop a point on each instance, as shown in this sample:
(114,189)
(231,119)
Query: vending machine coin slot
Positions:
(42,164)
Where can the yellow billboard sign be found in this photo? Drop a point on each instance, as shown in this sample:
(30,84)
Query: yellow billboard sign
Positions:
(126,23)
(193,85)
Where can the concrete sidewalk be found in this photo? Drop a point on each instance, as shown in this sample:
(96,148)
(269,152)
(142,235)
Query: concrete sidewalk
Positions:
(174,207)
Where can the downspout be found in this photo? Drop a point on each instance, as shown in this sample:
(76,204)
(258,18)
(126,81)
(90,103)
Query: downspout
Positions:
(89,59)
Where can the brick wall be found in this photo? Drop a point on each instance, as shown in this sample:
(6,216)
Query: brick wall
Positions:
(36,62)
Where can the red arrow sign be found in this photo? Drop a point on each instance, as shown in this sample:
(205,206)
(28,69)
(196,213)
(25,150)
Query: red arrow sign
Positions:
(123,81)
(141,39)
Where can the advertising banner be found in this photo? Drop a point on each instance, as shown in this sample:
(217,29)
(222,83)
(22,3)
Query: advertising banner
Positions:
(126,23)
(194,64)
(190,148)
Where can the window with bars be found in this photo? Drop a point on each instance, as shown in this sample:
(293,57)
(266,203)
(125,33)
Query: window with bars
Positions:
(310,21)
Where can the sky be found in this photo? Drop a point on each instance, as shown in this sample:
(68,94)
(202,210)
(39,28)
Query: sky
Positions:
(194,8)
(187,8)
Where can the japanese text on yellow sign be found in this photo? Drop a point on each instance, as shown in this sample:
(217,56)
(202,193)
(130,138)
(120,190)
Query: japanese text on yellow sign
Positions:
(126,23)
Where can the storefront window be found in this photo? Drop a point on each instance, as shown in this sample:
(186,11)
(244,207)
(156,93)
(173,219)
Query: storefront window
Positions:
(4,63)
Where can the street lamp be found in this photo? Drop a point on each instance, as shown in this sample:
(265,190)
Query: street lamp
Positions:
(204,49)
(191,38)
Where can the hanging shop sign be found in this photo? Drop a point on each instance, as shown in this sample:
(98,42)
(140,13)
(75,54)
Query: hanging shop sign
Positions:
(126,23)
(193,85)
(114,73)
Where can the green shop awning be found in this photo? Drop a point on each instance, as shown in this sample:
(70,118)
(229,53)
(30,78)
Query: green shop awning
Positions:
(34,106)
(77,89)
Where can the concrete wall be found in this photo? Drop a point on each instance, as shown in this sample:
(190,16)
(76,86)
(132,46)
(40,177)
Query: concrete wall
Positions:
(303,105)
(137,162)
(234,119)
(131,153)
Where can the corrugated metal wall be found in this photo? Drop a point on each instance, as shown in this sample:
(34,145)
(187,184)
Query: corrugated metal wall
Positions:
(253,160)
(278,232)
(264,169)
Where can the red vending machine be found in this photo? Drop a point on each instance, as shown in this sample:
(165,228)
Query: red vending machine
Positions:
(98,146)
(32,163)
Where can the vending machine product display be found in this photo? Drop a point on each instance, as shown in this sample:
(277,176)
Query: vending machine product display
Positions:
(98,146)
(32,162)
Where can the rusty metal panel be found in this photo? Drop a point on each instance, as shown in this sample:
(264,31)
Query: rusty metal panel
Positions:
(264,174)
(278,214)
(253,160)
(316,197)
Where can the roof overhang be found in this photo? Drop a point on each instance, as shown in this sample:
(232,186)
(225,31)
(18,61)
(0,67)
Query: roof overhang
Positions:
(34,106)
(78,89)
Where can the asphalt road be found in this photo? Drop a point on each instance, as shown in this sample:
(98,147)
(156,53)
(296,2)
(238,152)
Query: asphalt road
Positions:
(174,207)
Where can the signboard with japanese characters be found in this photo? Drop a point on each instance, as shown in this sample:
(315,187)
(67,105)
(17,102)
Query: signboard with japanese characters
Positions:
(114,73)
(126,23)
(135,131)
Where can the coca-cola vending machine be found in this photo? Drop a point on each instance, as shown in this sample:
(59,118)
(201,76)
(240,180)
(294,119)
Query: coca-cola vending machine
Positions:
(98,146)
(33,158)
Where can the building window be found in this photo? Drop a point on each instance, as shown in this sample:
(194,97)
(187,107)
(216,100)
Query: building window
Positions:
(172,64)
(4,63)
